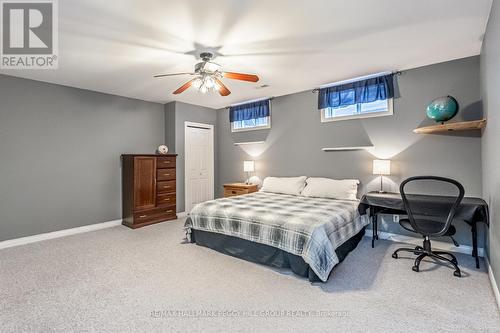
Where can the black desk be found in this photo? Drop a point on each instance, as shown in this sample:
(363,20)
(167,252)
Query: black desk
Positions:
(471,210)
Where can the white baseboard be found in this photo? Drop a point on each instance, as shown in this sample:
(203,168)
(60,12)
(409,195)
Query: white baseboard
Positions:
(57,234)
(65,232)
(493,282)
(418,241)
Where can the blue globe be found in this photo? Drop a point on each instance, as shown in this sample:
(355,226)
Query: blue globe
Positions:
(442,109)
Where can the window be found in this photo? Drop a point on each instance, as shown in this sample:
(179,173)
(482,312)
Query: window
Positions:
(358,110)
(370,96)
(250,116)
(251,124)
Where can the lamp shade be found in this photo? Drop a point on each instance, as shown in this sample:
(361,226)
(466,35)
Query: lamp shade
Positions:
(248,166)
(381,167)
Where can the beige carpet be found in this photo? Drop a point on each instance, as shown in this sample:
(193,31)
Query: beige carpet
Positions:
(148,280)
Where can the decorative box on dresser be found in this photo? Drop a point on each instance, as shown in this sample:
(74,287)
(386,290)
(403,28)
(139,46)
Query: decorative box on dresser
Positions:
(148,189)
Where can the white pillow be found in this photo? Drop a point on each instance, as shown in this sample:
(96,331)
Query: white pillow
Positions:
(284,185)
(344,189)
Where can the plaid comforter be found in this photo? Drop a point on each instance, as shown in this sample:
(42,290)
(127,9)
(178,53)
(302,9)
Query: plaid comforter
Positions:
(308,227)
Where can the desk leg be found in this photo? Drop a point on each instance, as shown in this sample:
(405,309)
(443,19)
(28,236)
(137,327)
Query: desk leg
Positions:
(474,243)
(374,229)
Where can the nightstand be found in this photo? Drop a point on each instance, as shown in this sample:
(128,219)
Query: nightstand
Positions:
(230,190)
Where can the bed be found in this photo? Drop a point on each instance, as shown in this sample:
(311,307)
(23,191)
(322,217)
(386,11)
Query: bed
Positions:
(308,235)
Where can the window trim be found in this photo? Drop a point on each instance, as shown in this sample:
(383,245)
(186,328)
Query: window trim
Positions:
(256,128)
(389,112)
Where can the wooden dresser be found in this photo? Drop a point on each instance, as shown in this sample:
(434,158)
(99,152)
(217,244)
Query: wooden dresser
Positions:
(230,190)
(148,189)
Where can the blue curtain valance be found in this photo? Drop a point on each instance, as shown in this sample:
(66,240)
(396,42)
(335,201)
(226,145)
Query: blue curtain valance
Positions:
(364,91)
(252,110)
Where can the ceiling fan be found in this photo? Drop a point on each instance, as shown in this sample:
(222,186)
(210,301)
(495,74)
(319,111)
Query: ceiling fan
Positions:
(208,77)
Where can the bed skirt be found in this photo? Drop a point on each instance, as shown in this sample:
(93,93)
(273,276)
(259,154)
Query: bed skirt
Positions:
(265,254)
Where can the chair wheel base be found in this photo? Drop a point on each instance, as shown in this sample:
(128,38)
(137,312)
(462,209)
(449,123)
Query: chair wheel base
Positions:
(422,253)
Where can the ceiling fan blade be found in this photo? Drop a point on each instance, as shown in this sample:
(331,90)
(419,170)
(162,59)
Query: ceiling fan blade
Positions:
(241,76)
(174,74)
(223,91)
(184,87)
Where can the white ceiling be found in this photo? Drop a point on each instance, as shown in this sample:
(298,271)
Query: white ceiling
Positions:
(117,46)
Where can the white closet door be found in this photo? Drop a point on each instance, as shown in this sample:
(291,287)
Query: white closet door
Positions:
(199,163)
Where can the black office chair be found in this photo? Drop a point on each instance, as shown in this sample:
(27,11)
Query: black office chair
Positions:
(424,221)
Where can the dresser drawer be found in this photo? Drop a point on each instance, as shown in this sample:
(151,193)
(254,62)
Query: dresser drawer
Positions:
(166,199)
(165,186)
(229,192)
(165,174)
(165,162)
(155,214)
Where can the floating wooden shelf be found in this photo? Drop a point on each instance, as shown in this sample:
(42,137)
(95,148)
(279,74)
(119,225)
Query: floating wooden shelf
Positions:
(458,126)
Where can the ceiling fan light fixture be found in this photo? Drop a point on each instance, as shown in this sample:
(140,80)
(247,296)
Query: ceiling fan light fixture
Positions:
(209,82)
(206,83)
(208,75)
(197,83)
(211,67)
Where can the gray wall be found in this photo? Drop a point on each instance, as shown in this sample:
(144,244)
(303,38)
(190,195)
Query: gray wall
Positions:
(490,87)
(60,146)
(60,154)
(176,114)
(170,126)
(293,144)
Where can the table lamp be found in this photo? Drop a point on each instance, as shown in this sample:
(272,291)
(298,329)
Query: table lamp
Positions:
(248,166)
(381,168)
